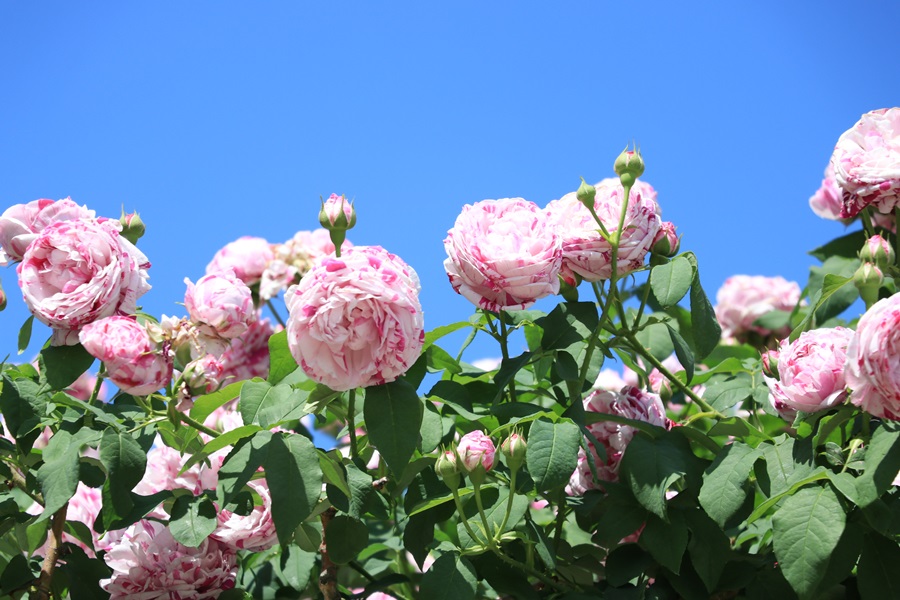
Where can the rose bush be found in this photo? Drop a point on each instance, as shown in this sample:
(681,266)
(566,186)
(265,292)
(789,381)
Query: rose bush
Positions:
(651,445)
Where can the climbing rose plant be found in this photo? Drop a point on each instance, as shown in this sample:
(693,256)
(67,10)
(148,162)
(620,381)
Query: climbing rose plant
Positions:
(635,441)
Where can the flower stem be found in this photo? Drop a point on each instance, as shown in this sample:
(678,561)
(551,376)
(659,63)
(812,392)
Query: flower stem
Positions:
(488,534)
(462,515)
(275,313)
(351,424)
(197,425)
(504,349)
(509,503)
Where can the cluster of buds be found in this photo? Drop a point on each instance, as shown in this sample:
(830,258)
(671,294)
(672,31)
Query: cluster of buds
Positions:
(337,216)
(876,255)
(475,456)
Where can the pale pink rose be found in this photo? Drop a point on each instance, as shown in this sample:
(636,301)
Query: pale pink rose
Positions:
(873,360)
(811,370)
(247,356)
(225,418)
(356,321)
(585,251)
(866,163)
(247,257)
(631,403)
(84,386)
(203,375)
(503,254)
(334,206)
(149,564)
(220,304)
(255,531)
(782,409)
(877,250)
(743,299)
(666,242)
(475,448)
(826,202)
(133,362)
(20,224)
(609,380)
(76,272)
(164,472)
(295,258)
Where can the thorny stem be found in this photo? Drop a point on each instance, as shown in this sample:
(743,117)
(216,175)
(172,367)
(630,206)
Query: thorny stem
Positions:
(328,575)
(42,592)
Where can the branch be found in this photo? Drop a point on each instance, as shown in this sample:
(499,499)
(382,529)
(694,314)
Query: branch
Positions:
(328,575)
(55,543)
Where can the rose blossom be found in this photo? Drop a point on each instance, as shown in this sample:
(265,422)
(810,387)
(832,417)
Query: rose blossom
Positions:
(475,448)
(255,531)
(743,299)
(79,271)
(826,202)
(148,563)
(503,254)
(220,304)
(132,360)
(294,258)
(356,320)
(811,370)
(631,403)
(866,163)
(20,224)
(247,257)
(164,471)
(873,360)
(585,251)
(203,375)
(247,356)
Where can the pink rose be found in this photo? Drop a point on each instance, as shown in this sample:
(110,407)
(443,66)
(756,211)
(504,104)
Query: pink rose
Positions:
(133,361)
(149,563)
(333,208)
(203,375)
(20,224)
(294,258)
(811,370)
(164,472)
(585,251)
(743,299)
(873,360)
(827,202)
(503,254)
(255,531)
(247,257)
(631,403)
(475,448)
(247,356)
(866,163)
(666,242)
(356,321)
(220,304)
(76,272)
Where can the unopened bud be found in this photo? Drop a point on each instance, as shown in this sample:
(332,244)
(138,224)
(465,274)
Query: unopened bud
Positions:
(447,469)
(513,448)
(868,279)
(337,214)
(629,166)
(770,364)
(666,242)
(586,193)
(2,298)
(878,251)
(133,227)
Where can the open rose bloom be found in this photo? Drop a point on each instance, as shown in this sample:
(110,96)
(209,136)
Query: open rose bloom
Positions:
(220,304)
(20,224)
(866,163)
(873,360)
(132,359)
(246,257)
(743,299)
(76,272)
(585,251)
(356,321)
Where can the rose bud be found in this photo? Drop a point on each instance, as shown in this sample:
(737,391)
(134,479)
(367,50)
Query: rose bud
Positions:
(877,251)
(513,449)
(868,279)
(666,242)
(629,166)
(133,227)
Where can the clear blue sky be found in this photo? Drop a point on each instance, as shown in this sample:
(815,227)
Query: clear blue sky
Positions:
(221,119)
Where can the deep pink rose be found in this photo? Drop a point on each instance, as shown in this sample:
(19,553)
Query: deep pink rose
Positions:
(255,531)
(133,361)
(811,370)
(503,254)
(866,163)
(743,299)
(76,272)
(631,403)
(220,304)
(873,360)
(356,321)
(475,448)
(20,224)
(148,563)
(585,251)
(247,257)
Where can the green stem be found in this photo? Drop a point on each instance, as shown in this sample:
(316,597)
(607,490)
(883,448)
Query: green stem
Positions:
(95,393)
(351,424)
(509,503)
(275,313)
(462,515)
(504,349)
(533,572)
(197,425)
(488,534)
(866,218)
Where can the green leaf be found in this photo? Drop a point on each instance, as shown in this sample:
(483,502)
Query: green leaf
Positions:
(295,481)
(418,535)
(805,530)
(495,513)
(666,542)
(787,461)
(722,394)
(552,452)
(625,563)
(205,405)
(308,538)
(846,246)
(882,462)
(266,405)
(439,359)
(25,334)
(439,332)
(84,574)
(706,328)
(281,362)
(724,491)
(22,405)
(671,281)
(451,577)
(296,566)
(876,573)
(432,428)
(17,574)
(125,462)
(709,548)
(832,284)
(650,466)
(656,339)
(345,537)
(241,464)
(683,353)
(568,323)
(193,519)
(456,396)
(62,365)
(393,414)
(58,476)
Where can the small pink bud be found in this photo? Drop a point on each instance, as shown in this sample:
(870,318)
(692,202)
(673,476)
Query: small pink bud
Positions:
(514,448)
(2,298)
(666,243)
(476,449)
(770,364)
(878,251)
(337,214)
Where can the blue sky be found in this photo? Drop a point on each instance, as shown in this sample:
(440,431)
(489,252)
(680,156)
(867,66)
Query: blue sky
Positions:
(221,119)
